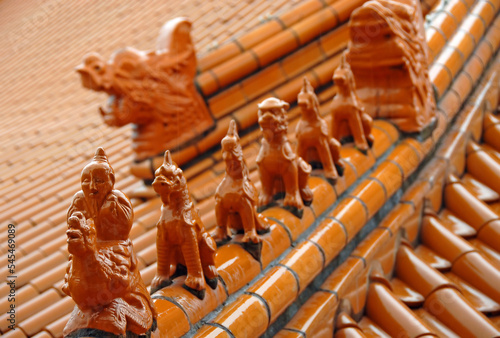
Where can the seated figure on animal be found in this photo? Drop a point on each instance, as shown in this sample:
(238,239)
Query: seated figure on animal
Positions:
(103,277)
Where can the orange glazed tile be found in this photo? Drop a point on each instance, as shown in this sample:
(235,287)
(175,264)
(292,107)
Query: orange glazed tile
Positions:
(335,41)
(299,61)
(477,299)
(371,329)
(429,257)
(37,321)
(440,77)
(405,294)
(391,314)
(331,237)
(446,22)
(396,219)
(262,82)
(490,234)
(324,194)
(171,319)
(462,42)
(294,224)
(434,324)
(451,59)
(484,167)
(315,25)
(275,47)
(274,243)
(285,333)
(435,40)
(15,334)
(479,272)
(390,175)
(360,161)
(236,266)
(212,331)
(33,306)
(491,132)
(453,150)
(245,317)
(488,252)
(352,214)
(349,281)
(375,246)
(279,288)
(315,317)
(306,260)
(372,193)
(442,241)
(382,141)
(450,307)
(227,101)
(416,273)
(194,307)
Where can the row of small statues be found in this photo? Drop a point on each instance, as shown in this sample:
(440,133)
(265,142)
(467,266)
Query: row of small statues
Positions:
(102,275)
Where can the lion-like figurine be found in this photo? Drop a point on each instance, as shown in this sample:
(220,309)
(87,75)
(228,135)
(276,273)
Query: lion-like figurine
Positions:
(102,276)
(236,196)
(182,242)
(313,142)
(281,171)
(349,119)
(155,92)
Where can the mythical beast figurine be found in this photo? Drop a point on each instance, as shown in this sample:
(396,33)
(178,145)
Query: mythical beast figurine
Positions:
(155,92)
(349,119)
(313,142)
(181,242)
(102,275)
(236,197)
(281,171)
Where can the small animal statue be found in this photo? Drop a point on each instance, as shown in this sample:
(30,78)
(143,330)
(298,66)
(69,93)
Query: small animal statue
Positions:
(236,197)
(313,143)
(281,171)
(181,242)
(348,116)
(154,91)
(102,275)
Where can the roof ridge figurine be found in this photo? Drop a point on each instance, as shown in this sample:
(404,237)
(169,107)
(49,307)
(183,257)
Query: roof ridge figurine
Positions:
(103,276)
(349,120)
(236,197)
(388,54)
(281,171)
(313,142)
(182,243)
(155,92)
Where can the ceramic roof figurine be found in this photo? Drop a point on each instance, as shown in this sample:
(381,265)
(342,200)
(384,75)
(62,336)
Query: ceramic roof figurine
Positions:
(349,119)
(155,92)
(388,57)
(313,142)
(102,275)
(236,198)
(281,171)
(181,242)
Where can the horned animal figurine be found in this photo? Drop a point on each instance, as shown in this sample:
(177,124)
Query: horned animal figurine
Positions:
(349,119)
(281,171)
(182,242)
(236,197)
(103,277)
(313,142)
